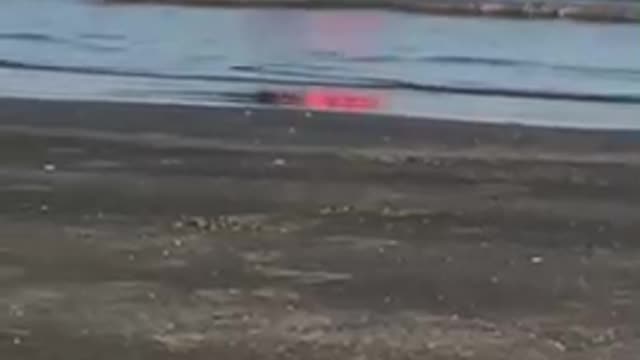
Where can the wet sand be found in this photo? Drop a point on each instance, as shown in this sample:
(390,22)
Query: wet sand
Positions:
(615,11)
(169,232)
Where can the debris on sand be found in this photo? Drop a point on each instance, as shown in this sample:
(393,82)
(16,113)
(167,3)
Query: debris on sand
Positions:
(279,162)
(180,342)
(252,222)
(536,259)
(177,225)
(335,210)
(197,222)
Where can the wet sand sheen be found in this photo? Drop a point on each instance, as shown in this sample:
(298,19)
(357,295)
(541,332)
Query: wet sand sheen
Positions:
(137,231)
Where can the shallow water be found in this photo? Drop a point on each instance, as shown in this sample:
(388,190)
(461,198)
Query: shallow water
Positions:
(550,72)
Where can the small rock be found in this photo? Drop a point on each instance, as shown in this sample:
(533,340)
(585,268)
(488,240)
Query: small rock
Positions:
(165,253)
(177,242)
(17,341)
(16,311)
(198,222)
(411,159)
(495,280)
(233,291)
(308,114)
(558,345)
(279,162)
(248,113)
(44,208)
(49,167)
(537,260)
(292,131)
(346,209)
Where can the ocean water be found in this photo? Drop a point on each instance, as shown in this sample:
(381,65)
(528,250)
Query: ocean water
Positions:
(549,72)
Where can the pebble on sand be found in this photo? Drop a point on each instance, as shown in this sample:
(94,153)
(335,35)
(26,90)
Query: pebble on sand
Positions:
(198,222)
(537,260)
(49,167)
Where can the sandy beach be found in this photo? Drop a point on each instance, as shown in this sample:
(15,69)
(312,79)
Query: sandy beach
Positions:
(157,232)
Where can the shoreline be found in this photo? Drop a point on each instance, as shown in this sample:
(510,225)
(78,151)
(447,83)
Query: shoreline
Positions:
(198,120)
(590,11)
(163,232)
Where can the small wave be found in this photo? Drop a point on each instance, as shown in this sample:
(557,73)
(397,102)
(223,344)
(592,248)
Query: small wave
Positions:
(467,60)
(499,62)
(291,70)
(463,60)
(33,37)
(524,93)
(50,39)
(99,36)
(356,82)
(87,70)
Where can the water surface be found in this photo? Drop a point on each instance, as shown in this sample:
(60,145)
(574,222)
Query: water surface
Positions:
(551,72)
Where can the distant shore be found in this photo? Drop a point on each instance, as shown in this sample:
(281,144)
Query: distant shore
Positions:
(596,11)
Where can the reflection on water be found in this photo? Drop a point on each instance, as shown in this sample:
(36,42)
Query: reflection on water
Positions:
(322,99)
(499,70)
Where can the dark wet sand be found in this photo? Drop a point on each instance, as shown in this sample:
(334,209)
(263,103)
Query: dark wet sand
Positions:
(165,232)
